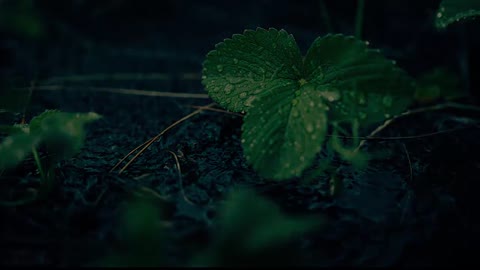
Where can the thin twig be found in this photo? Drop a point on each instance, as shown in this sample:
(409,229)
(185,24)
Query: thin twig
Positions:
(29,98)
(123,91)
(409,162)
(155,138)
(217,110)
(124,76)
(180,178)
(437,107)
(378,138)
(126,156)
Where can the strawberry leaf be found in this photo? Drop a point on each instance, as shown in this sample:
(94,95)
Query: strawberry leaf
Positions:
(451,11)
(250,65)
(283,132)
(359,83)
(288,98)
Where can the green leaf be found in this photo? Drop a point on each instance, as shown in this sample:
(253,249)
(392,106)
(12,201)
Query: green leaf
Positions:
(283,132)
(247,66)
(359,82)
(252,230)
(14,149)
(63,133)
(451,11)
(36,122)
(287,97)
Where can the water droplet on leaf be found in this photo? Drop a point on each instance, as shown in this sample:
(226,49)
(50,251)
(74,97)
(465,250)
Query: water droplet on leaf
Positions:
(387,101)
(229,88)
(309,128)
(331,95)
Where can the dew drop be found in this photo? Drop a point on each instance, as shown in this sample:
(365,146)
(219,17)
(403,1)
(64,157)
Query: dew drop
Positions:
(387,101)
(235,61)
(243,140)
(309,128)
(439,15)
(249,101)
(367,43)
(387,115)
(331,95)
(229,88)
(204,77)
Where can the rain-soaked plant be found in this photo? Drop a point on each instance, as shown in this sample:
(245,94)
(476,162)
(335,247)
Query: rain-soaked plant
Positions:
(290,99)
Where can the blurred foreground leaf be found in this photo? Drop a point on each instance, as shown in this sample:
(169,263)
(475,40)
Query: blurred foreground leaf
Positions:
(62,133)
(254,232)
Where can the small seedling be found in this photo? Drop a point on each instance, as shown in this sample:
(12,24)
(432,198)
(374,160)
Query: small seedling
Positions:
(61,133)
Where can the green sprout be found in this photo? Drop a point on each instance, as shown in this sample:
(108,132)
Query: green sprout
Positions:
(61,133)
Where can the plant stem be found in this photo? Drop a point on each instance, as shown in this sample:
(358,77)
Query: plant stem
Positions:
(39,163)
(437,107)
(326,16)
(359,19)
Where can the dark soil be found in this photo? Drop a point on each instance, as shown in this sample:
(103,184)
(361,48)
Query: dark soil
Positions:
(414,205)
